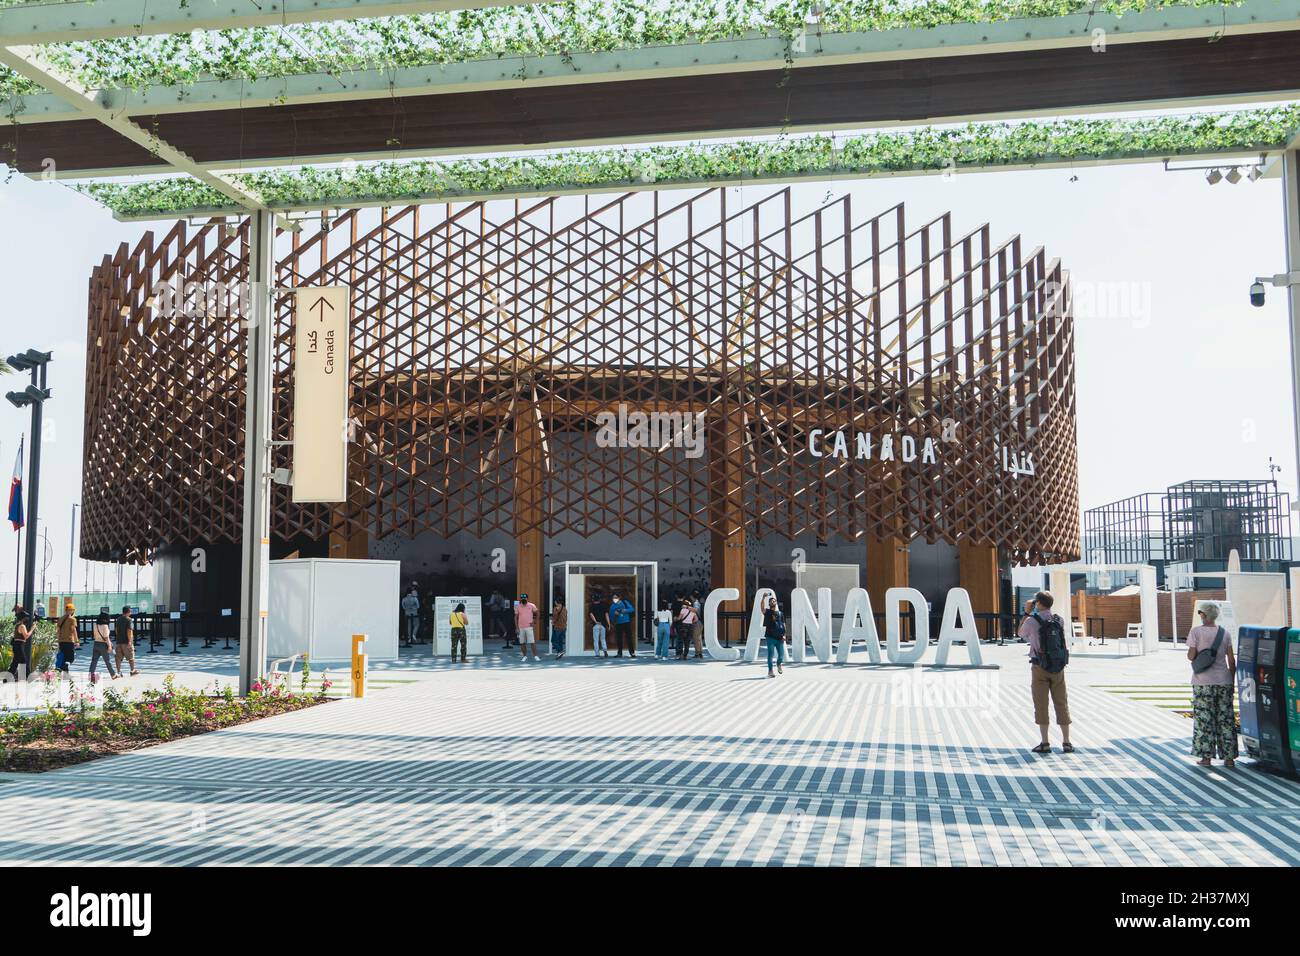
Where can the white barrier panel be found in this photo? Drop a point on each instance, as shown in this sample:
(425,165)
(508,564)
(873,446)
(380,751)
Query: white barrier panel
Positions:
(1257,598)
(315,605)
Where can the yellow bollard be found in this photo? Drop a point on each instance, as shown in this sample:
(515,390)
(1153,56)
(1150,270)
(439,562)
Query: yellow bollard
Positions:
(358,666)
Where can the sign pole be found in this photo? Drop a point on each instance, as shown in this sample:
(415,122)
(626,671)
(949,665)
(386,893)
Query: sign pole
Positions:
(33,496)
(255,546)
(1291,218)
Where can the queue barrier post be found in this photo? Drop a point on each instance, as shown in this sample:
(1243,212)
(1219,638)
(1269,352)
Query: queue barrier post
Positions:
(358,666)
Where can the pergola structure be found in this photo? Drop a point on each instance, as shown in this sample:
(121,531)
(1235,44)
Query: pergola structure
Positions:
(122,103)
(782,77)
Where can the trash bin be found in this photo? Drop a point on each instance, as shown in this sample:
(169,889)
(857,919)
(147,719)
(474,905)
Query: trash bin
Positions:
(1293,694)
(1261,694)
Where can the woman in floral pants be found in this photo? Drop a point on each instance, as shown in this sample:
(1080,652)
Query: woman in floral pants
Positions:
(1214,727)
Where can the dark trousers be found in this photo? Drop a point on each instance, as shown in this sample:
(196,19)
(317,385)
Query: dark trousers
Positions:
(102,652)
(69,652)
(22,657)
(623,635)
(458,638)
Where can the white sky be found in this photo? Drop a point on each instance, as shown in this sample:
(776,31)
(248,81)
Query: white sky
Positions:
(1197,386)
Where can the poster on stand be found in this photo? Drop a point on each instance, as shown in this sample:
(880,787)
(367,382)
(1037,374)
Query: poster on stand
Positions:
(443,606)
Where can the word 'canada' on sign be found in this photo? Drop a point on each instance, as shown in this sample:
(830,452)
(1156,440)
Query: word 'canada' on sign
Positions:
(858,630)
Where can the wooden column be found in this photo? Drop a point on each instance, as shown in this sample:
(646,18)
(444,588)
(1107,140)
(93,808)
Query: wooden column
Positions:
(977,571)
(726,449)
(529,503)
(344,540)
(345,545)
(886,568)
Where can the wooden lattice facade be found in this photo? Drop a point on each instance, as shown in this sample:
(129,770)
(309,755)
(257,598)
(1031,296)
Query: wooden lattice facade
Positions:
(488,338)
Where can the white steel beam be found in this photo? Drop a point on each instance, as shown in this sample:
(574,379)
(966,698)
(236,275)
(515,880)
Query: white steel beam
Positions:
(71,20)
(255,544)
(1290,166)
(29,62)
(695,136)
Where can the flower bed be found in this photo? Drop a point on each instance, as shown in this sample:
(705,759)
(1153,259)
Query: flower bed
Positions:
(102,720)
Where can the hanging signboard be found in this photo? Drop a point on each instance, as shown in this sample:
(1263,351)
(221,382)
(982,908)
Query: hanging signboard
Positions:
(321,322)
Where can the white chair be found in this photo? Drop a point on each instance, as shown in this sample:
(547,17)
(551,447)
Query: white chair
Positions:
(275,675)
(1076,632)
(1131,642)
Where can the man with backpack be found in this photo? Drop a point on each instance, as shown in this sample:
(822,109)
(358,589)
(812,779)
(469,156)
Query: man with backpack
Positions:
(1048,655)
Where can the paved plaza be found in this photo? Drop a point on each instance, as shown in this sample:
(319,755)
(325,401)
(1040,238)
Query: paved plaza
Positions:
(674,764)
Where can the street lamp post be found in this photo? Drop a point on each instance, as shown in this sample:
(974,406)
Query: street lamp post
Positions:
(46,557)
(34,395)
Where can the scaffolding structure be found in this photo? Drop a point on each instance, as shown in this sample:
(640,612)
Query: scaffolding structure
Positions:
(1199,520)
(1206,520)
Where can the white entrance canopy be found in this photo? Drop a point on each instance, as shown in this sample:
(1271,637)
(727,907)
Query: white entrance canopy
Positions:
(574,574)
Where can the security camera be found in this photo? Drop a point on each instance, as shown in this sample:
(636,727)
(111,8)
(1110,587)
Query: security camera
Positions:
(1257,294)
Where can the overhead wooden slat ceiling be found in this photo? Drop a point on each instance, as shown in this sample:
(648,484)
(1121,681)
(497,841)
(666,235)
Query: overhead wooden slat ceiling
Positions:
(1260,66)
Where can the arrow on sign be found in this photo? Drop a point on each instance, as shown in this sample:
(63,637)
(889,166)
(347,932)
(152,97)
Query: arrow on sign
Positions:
(320,314)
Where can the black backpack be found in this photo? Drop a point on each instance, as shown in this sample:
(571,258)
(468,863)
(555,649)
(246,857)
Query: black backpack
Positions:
(1053,655)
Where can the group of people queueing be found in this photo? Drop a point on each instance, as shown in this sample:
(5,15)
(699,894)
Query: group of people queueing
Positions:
(612,618)
(111,645)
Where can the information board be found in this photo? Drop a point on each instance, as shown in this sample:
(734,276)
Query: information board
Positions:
(442,608)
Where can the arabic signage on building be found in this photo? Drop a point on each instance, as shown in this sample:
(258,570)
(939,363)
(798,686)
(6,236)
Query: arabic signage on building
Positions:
(851,445)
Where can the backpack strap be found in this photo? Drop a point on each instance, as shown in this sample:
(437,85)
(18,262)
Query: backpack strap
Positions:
(1218,639)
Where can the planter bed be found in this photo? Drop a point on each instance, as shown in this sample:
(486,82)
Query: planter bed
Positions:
(102,721)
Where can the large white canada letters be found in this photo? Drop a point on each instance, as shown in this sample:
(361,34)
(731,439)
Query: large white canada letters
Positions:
(815,626)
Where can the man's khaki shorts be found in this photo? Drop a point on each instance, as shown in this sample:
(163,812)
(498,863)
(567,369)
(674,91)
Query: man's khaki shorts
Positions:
(1043,685)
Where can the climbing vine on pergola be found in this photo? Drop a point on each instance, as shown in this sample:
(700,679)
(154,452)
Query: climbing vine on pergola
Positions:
(976,145)
(563,29)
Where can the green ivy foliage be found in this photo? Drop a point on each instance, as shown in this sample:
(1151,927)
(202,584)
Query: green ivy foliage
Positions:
(563,28)
(927,148)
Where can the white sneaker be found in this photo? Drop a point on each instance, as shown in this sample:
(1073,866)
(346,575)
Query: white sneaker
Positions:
(536,658)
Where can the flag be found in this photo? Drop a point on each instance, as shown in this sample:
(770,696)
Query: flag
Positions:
(16,491)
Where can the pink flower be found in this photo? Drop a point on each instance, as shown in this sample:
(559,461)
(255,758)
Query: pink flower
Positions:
(152,708)
(209,714)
